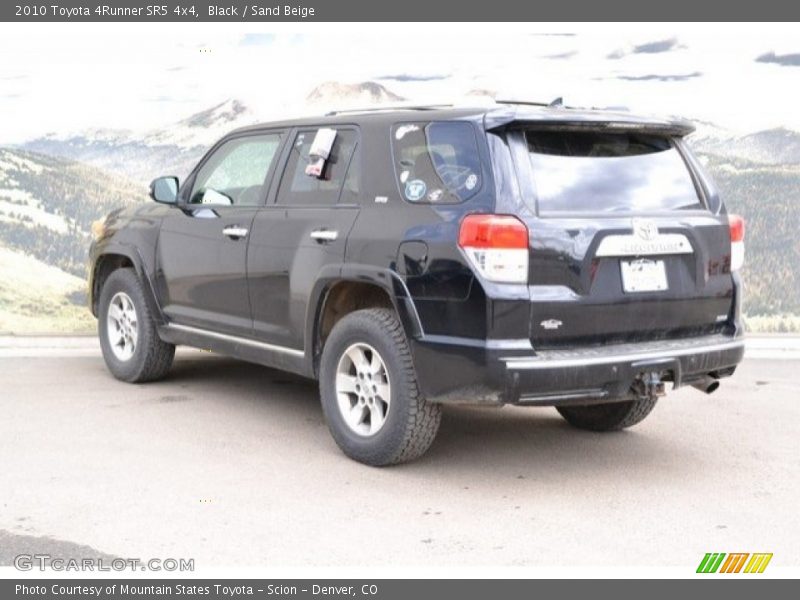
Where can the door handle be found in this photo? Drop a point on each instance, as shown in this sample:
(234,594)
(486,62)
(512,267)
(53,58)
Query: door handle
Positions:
(324,235)
(235,232)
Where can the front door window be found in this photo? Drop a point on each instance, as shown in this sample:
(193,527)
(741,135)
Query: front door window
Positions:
(236,173)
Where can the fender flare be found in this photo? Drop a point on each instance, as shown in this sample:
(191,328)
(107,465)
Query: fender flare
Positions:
(134,256)
(386,279)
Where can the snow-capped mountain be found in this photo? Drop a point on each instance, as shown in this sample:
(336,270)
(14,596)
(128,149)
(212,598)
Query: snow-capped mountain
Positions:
(780,146)
(365,93)
(176,148)
(142,156)
(49,198)
(203,128)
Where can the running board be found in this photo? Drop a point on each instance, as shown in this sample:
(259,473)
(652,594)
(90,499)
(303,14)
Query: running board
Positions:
(270,355)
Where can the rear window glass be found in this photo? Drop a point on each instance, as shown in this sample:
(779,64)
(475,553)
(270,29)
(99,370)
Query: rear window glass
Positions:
(436,162)
(577,171)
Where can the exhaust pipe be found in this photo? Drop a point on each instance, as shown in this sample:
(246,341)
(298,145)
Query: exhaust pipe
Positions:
(707,385)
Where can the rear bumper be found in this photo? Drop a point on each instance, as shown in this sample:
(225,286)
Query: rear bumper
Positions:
(452,371)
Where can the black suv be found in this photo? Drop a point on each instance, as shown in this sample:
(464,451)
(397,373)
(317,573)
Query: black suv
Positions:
(414,257)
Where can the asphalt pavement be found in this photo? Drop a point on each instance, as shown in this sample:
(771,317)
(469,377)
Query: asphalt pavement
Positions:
(231,464)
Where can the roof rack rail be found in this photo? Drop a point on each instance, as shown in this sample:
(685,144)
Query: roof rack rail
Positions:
(386,107)
(558,102)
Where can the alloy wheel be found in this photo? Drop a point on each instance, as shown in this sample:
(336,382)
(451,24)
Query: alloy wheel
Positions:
(363,389)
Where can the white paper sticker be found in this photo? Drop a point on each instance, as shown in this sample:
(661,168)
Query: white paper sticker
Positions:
(404,129)
(435,195)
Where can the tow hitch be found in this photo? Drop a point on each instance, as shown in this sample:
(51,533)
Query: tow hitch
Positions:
(649,385)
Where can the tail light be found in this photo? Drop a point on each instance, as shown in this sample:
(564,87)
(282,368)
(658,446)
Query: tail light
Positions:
(736,224)
(496,246)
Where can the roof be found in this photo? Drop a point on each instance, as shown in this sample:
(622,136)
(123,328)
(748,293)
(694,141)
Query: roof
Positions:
(494,116)
(386,116)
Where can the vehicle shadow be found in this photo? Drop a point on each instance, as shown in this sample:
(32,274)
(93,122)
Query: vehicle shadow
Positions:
(470,438)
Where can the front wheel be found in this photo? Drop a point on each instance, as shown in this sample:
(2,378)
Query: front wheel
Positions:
(369,391)
(611,416)
(131,347)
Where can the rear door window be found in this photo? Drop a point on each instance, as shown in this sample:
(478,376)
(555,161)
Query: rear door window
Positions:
(436,162)
(582,171)
(301,189)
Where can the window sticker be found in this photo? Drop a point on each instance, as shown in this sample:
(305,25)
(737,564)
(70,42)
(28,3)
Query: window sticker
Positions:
(320,151)
(403,130)
(435,195)
(436,162)
(415,190)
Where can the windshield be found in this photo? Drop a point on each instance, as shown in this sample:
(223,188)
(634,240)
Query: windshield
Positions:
(580,171)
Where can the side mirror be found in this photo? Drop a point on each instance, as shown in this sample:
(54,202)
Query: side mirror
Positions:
(164,190)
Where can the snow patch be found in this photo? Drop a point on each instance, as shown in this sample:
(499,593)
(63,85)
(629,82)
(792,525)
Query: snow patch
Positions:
(13,162)
(33,210)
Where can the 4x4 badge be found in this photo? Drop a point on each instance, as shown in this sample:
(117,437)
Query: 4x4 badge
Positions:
(551,324)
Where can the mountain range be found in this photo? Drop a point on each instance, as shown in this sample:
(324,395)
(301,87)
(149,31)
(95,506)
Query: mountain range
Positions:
(142,156)
(52,188)
(176,148)
(777,146)
(47,205)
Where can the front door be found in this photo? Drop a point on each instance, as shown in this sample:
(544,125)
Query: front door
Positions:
(202,246)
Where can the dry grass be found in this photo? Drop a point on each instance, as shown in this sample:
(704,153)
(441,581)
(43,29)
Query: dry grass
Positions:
(37,298)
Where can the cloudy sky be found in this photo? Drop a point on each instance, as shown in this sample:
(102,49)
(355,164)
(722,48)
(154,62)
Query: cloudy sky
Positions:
(67,77)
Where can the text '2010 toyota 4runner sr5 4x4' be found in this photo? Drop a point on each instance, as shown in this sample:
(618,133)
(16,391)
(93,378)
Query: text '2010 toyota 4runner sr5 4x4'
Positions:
(410,258)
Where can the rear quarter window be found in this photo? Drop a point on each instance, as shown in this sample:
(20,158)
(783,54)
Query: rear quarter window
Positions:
(580,171)
(436,162)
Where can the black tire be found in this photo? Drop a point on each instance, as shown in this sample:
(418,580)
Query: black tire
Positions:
(611,416)
(151,358)
(411,422)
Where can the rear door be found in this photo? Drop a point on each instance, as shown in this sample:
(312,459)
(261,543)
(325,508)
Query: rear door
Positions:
(623,246)
(301,234)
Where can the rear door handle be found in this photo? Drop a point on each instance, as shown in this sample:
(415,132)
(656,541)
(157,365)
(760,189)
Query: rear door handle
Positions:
(324,235)
(235,232)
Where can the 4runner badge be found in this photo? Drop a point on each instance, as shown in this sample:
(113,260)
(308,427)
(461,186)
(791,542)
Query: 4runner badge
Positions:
(551,324)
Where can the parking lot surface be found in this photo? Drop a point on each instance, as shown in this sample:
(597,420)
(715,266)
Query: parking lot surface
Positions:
(231,464)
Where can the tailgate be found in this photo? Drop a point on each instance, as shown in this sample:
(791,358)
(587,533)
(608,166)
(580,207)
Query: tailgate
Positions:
(598,281)
(622,244)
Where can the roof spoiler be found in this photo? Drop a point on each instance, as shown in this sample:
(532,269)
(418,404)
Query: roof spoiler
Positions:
(578,120)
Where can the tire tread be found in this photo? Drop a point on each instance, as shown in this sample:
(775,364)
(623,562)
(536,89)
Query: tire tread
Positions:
(159,355)
(613,416)
(422,418)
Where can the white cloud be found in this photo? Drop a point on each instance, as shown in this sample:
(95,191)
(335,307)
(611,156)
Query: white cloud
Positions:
(67,77)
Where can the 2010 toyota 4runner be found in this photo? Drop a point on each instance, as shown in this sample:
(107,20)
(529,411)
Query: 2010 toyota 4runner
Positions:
(410,258)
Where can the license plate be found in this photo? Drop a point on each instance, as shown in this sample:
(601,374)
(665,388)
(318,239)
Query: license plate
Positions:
(643,275)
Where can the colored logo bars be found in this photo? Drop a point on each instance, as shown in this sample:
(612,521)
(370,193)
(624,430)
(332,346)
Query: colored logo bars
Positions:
(719,562)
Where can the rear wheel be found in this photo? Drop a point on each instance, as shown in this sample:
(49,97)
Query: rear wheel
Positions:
(369,391)
(131,347)
(611,416)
